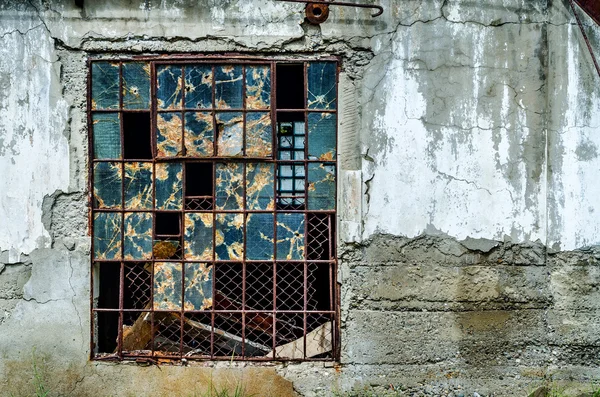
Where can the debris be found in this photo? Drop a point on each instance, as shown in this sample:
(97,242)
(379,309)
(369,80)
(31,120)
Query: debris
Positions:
(318,341)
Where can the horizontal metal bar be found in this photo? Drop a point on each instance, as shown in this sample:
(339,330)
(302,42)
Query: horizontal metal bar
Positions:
(341,3)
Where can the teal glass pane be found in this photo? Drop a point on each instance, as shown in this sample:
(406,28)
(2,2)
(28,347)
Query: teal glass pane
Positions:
(136,85)
(229,237)
(107,185)
(230,133)
(169,181)
(198,236)
(168,87)
(322,85)
(259,136)
(321,186)
(290,236)
(167,286)
(229,186)
(259,236)
(198,86)
(258,87)
(137,241)
(321,136)
(105,85)
(199,134)
(107,135)
(198,286)
(107,235)
(138,186)
(259,186)
(168,135)
(228,86)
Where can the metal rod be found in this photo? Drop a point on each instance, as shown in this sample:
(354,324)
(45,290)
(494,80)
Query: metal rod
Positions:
(341,3)
(585,37)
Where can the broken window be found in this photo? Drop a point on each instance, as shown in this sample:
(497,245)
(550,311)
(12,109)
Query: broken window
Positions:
(213,208)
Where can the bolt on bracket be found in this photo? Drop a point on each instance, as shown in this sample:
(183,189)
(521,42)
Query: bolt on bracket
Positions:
(317,11)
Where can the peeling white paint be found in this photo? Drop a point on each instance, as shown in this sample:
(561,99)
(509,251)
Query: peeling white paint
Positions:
(34,157)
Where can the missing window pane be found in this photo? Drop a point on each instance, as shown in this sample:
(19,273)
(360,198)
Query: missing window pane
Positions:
(136,136)
(168,224)
(199,186)
(290,86)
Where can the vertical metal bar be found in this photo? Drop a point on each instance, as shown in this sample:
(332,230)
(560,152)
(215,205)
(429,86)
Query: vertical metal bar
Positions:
(120,332)
(305,164)
(214,215)
(244,209)
(91,155)
(183,113)
(275,156)
(122,165)
(153,113)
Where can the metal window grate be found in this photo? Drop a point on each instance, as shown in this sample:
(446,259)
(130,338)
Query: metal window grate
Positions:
(213,208)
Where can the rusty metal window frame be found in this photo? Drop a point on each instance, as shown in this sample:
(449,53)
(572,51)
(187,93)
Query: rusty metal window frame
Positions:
(322,222)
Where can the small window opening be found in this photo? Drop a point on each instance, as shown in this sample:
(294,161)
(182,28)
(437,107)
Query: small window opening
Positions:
(198,186)
(290,86)
(108,298)
(291,177)
(136,136)
(168,244)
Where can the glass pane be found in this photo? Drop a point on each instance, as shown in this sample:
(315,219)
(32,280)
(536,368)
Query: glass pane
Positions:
(258,87)
(321,187)
(168,186)
(138,186)
(107,135)
(322,85)
(228,87)
(229,237)
(105,85)
(168,134)
(167,286)
(136,85)
(107,235)
(107,185)
(138,236)
(259,186)
(230,138)
(290,236)
(168,87)
(198,236)
(321,136)
(199,134)
(259,237)
(198,86)
(258,134)
(229,188)
(198,286)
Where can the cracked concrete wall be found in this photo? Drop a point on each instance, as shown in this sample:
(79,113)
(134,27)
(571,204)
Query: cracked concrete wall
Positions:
(468,218)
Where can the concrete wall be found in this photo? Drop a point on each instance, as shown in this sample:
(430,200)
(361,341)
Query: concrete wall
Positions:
(469,136)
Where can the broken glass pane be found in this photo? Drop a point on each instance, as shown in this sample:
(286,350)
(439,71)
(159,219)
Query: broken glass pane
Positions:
(105,85)
(321,136)
(107,235)
(168,186)
(198,286)
(321,186)
(322,85)
(198,87)
(138,186)
(258,87)
(107,135)
(229,243)
(107,185)
(290,236)
(228,87)
(138,236)
(199,134)
(259,237)
(167,286)
(258,134)
(230,134)
(136,85)
(229,187)
(198,236)
(259,186)
(168,87)
(168,134)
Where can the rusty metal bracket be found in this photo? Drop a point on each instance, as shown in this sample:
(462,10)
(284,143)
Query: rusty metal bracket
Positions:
(585,6)
(317,11)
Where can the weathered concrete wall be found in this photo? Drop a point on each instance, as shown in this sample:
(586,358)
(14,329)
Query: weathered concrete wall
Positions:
(468,162)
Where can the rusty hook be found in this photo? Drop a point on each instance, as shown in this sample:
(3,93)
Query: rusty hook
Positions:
(341,3)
